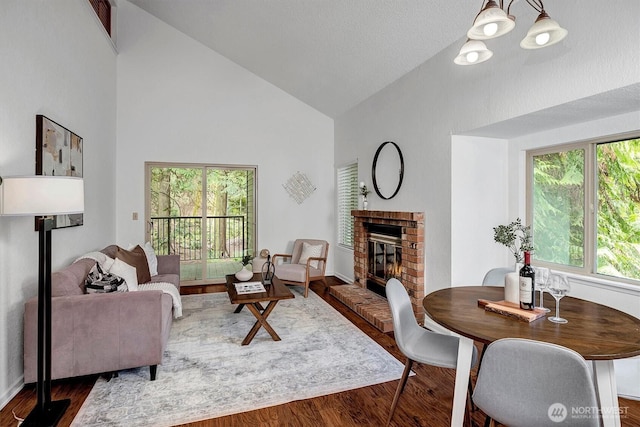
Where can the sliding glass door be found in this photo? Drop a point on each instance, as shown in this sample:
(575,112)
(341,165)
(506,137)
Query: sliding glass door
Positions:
(204,213)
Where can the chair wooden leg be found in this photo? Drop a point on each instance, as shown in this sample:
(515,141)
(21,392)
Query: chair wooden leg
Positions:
(401,384)
(484,348)
(471,404)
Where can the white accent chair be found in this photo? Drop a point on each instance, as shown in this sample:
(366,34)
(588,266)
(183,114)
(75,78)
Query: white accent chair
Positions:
(308,262)
(415,342)
(534,384)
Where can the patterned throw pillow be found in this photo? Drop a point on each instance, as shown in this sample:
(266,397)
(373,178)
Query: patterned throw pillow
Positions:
(99,282)
(310,251)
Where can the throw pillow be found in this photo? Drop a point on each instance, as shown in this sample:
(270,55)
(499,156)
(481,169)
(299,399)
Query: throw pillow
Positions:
(309,251)
(136,258)
(99,281)
(127,272)
(152,259)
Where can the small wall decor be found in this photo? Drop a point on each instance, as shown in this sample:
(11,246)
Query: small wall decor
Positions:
(58,152)
(299,187)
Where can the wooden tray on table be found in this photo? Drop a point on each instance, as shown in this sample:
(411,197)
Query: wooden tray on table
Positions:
(510,309)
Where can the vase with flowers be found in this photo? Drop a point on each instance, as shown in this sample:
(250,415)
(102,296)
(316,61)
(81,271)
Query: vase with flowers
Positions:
(516,237)
(245,274)
(364,191)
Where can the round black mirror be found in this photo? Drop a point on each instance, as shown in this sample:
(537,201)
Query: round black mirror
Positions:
(387,171)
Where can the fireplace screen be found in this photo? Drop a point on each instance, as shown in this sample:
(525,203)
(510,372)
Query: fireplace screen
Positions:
(385,258)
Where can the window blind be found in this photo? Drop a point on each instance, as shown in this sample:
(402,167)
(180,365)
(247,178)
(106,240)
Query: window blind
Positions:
(347,183)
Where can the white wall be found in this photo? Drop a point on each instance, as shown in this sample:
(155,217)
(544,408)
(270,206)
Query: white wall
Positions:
(56,61)
(178,101)
(424,108)
(479,202)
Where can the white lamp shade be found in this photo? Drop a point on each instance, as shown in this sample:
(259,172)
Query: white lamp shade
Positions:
(473,52)
(544,32)
(492,22)
(41,195)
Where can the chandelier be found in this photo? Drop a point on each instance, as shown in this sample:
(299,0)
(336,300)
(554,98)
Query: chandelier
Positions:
(493,21)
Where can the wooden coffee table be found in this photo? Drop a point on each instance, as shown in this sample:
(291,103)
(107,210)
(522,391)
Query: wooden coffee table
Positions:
(275,292)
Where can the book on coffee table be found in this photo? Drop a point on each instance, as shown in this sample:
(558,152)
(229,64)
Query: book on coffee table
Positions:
(249,288)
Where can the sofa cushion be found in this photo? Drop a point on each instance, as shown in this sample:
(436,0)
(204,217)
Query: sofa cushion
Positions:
(135,258)
(64,283)
(70,280)
(295,272)
(174,279)
(110,251)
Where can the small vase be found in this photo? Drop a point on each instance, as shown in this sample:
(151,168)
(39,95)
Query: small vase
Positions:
(244,274)
(365,203)
(512,288)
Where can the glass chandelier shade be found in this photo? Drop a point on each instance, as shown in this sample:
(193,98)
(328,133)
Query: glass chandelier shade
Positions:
(473,52)
(491,22)
(544,32)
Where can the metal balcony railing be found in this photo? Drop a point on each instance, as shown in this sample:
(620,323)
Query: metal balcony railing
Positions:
(225,237)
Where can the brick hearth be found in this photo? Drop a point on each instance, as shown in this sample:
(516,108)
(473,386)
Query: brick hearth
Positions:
(370,306)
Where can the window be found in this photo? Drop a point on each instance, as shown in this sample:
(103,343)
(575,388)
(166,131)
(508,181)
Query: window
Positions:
(103,11)
(584,207)
(347,183)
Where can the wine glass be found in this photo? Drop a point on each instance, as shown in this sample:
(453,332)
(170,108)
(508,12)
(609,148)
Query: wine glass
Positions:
(542,281)
(558,287)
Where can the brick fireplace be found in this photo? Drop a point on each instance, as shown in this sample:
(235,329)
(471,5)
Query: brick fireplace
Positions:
(386,244)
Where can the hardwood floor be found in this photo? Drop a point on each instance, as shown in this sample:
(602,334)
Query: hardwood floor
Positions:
(426,400)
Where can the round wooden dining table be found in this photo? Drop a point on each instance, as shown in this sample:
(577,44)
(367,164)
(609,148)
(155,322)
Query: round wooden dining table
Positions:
(597,332)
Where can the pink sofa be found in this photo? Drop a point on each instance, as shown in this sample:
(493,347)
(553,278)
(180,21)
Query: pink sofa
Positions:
(102,333)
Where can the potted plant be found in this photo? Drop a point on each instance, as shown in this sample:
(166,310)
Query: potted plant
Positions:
(515,236)
(245,274)
(246,260)
(364,191)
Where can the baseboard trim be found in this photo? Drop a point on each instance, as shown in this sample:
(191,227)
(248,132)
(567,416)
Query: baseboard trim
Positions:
(344,278)
(12,392)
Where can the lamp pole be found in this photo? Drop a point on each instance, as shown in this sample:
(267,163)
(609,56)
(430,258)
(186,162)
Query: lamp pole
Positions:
(47,413)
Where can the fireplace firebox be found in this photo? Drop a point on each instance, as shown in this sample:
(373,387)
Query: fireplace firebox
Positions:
(384,256)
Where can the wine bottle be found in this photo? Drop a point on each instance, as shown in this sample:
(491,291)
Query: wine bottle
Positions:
(527,281)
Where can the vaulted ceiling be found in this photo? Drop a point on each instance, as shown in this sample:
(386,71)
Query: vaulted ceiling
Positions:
(330,54)
(333,54)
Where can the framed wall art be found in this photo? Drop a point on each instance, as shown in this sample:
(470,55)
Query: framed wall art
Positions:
(58,152)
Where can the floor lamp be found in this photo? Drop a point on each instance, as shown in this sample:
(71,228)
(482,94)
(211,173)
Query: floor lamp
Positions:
(43,196)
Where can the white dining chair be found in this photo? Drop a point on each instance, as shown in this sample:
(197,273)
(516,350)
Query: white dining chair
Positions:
(415,342)
(528,383)
(495,276)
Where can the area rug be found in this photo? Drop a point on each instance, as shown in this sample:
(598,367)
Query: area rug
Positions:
(206,373)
